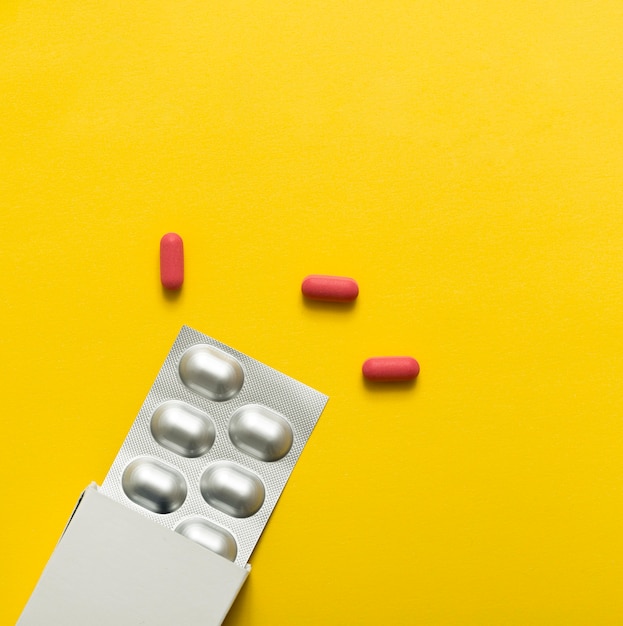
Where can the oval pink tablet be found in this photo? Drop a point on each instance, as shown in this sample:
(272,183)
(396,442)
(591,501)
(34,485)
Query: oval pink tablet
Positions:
(391,368)
(171,261)
(330,288)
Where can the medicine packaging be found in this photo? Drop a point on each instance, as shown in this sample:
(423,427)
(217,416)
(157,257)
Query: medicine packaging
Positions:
(167,538)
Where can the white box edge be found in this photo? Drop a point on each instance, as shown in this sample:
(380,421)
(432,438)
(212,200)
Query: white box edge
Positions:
(115,567)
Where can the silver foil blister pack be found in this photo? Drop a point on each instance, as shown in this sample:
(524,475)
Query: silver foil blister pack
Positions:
(213,445)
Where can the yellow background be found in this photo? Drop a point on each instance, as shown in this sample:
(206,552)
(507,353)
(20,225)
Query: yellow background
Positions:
(462,160)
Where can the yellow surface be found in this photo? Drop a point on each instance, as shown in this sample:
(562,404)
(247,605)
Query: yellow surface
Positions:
(462,160)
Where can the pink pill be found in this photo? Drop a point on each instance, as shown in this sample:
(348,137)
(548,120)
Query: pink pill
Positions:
(330,288)
(391,368)
(171,261)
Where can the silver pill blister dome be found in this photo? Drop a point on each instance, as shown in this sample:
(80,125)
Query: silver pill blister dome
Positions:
(209,536)
(154,485)
(260,432)
(211,372)
(232,489)
(183,429)
(213,445)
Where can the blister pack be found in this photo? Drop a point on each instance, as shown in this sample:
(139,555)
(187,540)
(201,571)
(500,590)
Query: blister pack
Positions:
(213,445)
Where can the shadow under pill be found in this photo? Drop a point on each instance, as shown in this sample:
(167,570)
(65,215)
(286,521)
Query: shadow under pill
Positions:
(394,385)
(333,307)
(171,295)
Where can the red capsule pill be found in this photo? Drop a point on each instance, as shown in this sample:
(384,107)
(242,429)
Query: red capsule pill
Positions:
(171,261)
(330,288)
(391,368)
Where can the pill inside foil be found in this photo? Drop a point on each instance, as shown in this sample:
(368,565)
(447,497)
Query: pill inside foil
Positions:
(213,445)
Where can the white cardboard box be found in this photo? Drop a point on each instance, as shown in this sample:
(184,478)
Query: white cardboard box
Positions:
(114,567)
